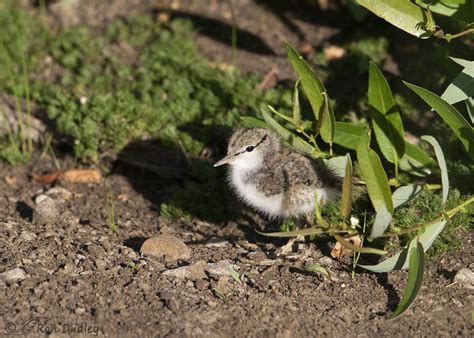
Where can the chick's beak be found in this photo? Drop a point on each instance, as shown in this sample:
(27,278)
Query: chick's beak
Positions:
(225,160)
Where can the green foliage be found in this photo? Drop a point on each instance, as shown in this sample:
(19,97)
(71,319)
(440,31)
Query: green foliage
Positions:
(401,13)
(15,65)
(425,208)
(462,87)
(404,194)
(456,9)
(289,137)
(415,20)
(346,197)
(12,153)
(453,118)
(416,270)
(138,80)
(288,225)
(312,86)
(441,163)
(387,122)
(377,184)
(357,137)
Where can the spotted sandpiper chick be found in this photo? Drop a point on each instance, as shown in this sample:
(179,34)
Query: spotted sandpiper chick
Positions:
(274,179)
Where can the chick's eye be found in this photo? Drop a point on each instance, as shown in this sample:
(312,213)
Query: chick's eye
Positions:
(250,148)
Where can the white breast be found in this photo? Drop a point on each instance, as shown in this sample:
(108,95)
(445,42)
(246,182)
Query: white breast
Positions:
(270,205)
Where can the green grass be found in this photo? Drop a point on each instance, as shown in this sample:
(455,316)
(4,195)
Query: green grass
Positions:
(139,79)
(17,145)
(427,206)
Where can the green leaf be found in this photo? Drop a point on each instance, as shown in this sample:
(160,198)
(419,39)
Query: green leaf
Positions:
(456,9)
(328,121)
(288,136)
(283,116)
(376,180)
(316,268)
(388,125)
(296,104)
(405,194)
(312,86)
(250,121)
(399,260)
(470,108)
(415,278)
(235,275)
(416,161)
(442,164)
(450,115)
(346,199)
(348,134)
(462,86)
(400,13)
(337,164)
(383,217)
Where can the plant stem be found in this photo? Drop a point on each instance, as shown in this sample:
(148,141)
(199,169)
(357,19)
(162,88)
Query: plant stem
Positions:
(450,37)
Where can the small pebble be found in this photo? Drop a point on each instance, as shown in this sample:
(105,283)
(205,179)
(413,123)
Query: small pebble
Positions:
(221,268)
(193,271)
(13,275)
(465,277)
(100,264)
(202,284)
(27,236)
(79,311)
(169,247)
(59,194)
(215,242)
(172,304)
(257,256)
(326,261)
(45,212)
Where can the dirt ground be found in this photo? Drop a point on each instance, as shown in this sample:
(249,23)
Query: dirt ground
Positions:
(82,274)
(80,277)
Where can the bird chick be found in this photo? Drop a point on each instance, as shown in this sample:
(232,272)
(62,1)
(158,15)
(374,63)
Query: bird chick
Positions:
(274,179)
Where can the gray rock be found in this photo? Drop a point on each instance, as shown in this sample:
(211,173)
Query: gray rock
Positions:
(221,268)
(215,242)
(59,194)
(166,246)
(13,275)
(45,211)
(193,271)
(465,277)
(101,264)
(257,256)
(27,236)
(326,261)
